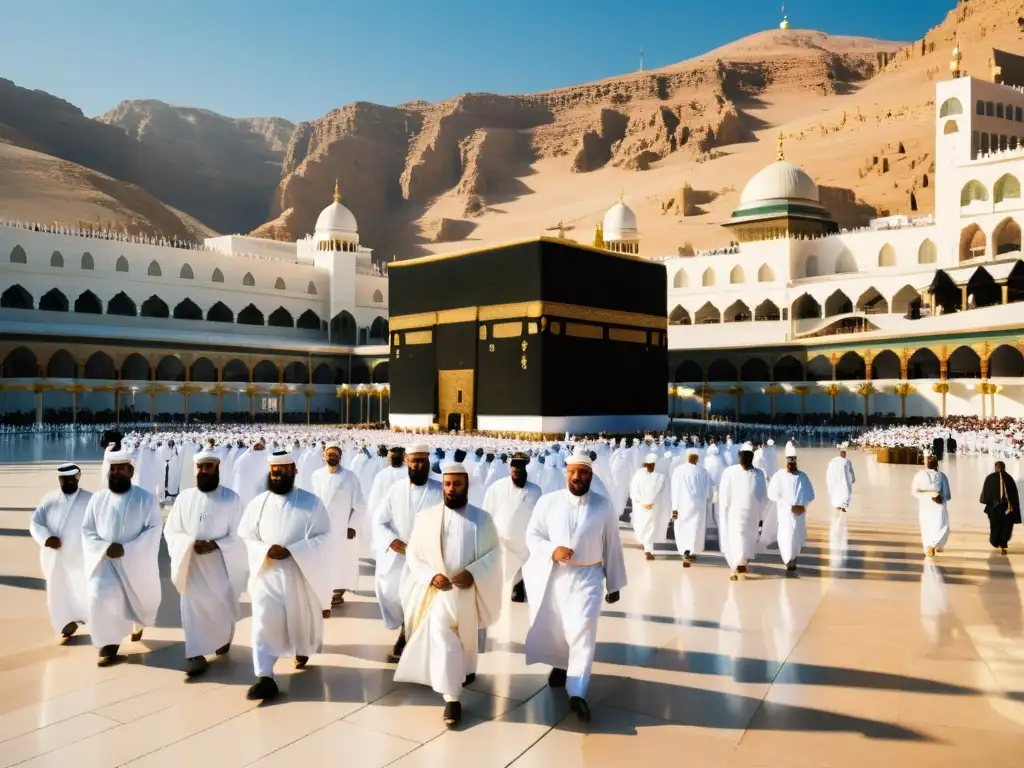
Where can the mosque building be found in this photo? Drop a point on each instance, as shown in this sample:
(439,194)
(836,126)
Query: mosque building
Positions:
(238,328)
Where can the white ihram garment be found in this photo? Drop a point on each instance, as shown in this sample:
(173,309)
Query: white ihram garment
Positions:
(742,495)
(511,508)
(840,479)
(210,585)
(61,516)
(124,591)
(382,483)
(788,490)
(932,517)
(649,489)
(342,497)
(442,627)
(394,520)
(565,598)
(691,494)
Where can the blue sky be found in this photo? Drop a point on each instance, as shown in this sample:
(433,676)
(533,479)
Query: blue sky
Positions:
(301,58)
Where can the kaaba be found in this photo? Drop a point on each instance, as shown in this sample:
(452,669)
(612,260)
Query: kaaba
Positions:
(542,337)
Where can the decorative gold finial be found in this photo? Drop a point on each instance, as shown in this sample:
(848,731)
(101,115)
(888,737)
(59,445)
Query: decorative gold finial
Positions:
(599,236)
(337,194)
(782,153)
(785,18)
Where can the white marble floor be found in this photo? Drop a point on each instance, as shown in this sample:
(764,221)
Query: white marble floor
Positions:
(868,656)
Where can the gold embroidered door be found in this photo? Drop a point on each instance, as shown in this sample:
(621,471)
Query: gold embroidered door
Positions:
(455,399)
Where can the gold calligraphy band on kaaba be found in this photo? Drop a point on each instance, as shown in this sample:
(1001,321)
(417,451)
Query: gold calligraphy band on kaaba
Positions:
(528,309)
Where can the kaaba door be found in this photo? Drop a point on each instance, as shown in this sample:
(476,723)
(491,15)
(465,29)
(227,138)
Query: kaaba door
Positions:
(455,399)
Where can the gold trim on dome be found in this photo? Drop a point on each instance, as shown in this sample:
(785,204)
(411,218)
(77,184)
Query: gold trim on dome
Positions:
(419,337)
(507,330)
(584,331)
(628,334)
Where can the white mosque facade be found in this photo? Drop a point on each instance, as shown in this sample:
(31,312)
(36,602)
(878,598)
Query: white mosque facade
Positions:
(238,328)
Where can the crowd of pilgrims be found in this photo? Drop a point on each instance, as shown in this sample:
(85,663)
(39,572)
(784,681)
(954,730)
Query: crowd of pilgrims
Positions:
(1002,437)
(455,530)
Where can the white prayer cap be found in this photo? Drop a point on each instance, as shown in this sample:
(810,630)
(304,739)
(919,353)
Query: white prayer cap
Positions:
(692,452)
(651,459)
(769,442)
(336,444)
(205,457)
(453,468)
(790,451)
(280,458)
(578,458)
(119,457)
(747,446)
(68,470)
(415,448)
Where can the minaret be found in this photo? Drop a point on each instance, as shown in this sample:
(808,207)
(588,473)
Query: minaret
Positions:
(785,19)
(954,63)
(337,194)
(782,154)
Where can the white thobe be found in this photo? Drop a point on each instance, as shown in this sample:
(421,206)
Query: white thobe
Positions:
(691,493)
(511,508)
(168,469)
(394,520)
(382,483)
(442,627)
(186,473)
(61,515)
(764,460)
(249,478)
(287,595)
(121,592)
(565,598)
(649,489)
(742,495)
(342,497)
(211,584)
(791,489)
(840,480)
(932,517)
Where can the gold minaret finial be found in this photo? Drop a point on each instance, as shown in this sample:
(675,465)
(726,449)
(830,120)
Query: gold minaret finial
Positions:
(782,152)
(337,194)
(599,236)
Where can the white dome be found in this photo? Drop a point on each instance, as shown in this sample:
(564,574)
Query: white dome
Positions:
(780,181)
(335,220)
(619,223)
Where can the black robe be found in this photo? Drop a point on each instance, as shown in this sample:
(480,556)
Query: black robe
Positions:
(950,444)
(938,444)
(992,498)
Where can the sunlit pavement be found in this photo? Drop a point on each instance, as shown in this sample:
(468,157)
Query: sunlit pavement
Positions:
(867,656)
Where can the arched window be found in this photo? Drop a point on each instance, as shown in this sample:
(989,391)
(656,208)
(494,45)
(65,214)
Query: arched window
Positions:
(999,110)
(18,255)
(736,276)
(281,318)
(927,253)
(973,243)
(218,276)
(121,265)
(248,280)
(154,270)
(980,107)
(16,297)
(308,320)
(765,274)
(186,272)
(219,313)
(378,297)
(250,316)
(57,260)
(279,284)
(708,279)
(990,110)
(680,280)
(1006,237)
(89,304)
(950,127)
(887,256)
(1007,188)
(121,305)
(188,310)
(154,306)
(708,314)
(54,301)
(951,107)
(311,289)
(679,316)
(972,190)
(811,267)
(845,264)
(87,262)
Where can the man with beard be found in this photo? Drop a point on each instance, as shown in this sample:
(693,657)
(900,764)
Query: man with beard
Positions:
(286,531)
(451,590)
(121,541)
(339,490)
(691,495)
(742,496)
(648,491)
(209,564)
(792,492)
(1002,506)
(510,502)
(57,528)
(392,526)
(575,559)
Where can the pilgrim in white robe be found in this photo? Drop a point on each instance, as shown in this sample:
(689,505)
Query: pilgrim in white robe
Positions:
(249,478)
(840,479)
(442,627)
(382,483)
(210,584)
(343,498)
(122,592)
(394,520)
(287,595)
(649,489)
(61,515)
(742,496)
(932,516)
(187,473)
(565,598)
(765,460)
(511,508)
(691,496)
(168,464)
(791,489)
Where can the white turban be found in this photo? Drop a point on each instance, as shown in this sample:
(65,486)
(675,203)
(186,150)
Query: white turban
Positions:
(790,451)
(416,448)
(68,470)
(119,457)
(747,446)
(204,457)
(280,458)
(579,458)
(651,459)
(453,468)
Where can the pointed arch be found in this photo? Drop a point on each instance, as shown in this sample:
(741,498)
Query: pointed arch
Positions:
(219,313)
(838,304)
(973,243)
(680,280)
(188,310)
(378,297)
(851,367)
(281,318)
(872,302)
(311,288)
(765,274)
(806,307)
(87,262)
(135,368)
(54,301)
(812,267)
(923,364)
(265,372)
(99,366)
(1005,362)
(186,273)
(906,300)
(964,363)
(885,365)
(982,289)
(755,369)
(89,303)
(379,330)
(18,255)
(343,328)
(1006,237)
(154,306)
(279,284)
(678,316)
(154,269)
(248,280)
(121,265)
(736,276)
(323,374)
(819,368)
(887,256)
(21,363)
(951,126)
(235,372)
(927,253)
(61,365)
(951,106)
(16,297)
(203,370)
(737,312)
(708,278)
(689,371)
(788,369)
(722,370)
(57,260)
(971,191)
(218,276)
(296,373)
(767,310)
(1006,188)
(708,314)
(309,320)
(846,264)
(250,316)
(170,368)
